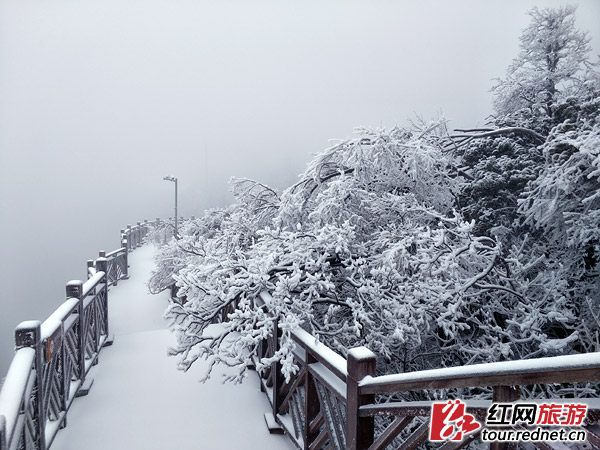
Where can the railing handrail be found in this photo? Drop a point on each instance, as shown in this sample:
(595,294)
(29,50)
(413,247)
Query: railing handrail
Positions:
(329,358)
(335,362)
(548,370)
(116,252)
(15,383)
(52,323)
(92,282)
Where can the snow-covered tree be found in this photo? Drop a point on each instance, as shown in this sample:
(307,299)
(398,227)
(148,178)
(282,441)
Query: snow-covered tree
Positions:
(366,249)
(551,64)
(533,178)
(499,169)
(546,86)
(175,254)
(564,204)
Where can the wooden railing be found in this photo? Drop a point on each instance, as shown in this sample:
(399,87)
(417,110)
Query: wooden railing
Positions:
(166,230)
(132,236)
(505,378)
(53,359)
(333,402)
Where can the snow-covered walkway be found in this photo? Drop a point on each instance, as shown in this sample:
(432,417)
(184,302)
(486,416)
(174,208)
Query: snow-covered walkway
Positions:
(140,401)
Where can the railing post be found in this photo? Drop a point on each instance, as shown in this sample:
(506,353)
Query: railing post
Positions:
(311,404)
(3,433)
(102,256)
(504,394)
(90,264)
(102,266)
(29,334)
(126,259)
(278,379)
(360,431)
(75,290)
(129,238)
(66,379)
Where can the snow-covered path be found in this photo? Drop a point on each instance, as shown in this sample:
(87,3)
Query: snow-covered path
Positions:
(140,401)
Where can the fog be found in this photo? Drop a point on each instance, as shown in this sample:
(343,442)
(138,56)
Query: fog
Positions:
(100,100)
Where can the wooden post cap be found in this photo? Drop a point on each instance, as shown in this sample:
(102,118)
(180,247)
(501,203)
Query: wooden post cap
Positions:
(74,288)
(101,264)
(28,334)
(361,362)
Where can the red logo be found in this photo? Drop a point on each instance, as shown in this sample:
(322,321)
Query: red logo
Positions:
(561,414)
(450,422)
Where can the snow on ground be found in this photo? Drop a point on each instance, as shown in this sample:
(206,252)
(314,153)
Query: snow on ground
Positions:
(140,401)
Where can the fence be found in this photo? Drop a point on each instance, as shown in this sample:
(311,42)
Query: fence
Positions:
(333,402)
(163,233)
(53,359)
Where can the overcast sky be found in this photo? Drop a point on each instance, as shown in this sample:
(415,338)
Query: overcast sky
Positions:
(100,99)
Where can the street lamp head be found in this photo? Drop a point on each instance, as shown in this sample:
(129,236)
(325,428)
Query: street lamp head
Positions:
(170,178)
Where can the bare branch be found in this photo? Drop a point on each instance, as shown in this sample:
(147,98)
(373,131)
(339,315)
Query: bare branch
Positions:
(458,140)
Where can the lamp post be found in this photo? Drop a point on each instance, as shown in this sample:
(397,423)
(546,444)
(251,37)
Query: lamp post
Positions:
(174,179)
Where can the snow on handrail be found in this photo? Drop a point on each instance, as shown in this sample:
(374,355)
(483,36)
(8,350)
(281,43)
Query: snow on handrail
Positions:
(116,252)
(509,373)
(52,323)
(329,358)
(333,361)
(92,283)
(15,386)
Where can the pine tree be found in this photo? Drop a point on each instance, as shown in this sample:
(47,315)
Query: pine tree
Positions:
(551,64)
